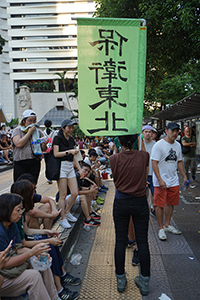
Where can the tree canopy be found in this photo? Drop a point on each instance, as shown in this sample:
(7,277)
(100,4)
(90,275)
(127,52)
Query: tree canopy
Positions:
(173,45)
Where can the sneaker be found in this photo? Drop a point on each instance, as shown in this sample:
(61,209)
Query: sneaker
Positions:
(100,190)
(104,187)
(70,280)
(136,259)
(130,244)
(65,224)
(49,181)
(161,234)
(70,217)
(10,162)
(172,229)
(153,213)
(99,200)
(65,294)
(95,215)
(92,222)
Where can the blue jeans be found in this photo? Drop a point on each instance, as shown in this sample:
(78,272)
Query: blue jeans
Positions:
(136,207)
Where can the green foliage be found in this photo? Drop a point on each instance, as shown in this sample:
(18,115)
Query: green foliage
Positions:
(45,85)
(74,90)
(26,84)
(78,131)
(13,122)
(2,43)
(173,46)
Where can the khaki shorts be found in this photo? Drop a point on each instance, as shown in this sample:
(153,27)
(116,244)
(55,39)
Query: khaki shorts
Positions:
(169,196)
(67,170)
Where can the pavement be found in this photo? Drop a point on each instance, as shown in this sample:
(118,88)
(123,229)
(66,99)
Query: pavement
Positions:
(175,263)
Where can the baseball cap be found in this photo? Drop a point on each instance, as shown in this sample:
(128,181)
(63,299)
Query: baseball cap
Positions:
(67,122)
(28,113)
(172,126)
(149,127)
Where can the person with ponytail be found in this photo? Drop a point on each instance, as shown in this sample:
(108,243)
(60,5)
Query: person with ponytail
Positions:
(50,134)
(129,170)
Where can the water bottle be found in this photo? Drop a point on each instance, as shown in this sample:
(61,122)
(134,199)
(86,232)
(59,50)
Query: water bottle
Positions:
(39,141)
(186,185)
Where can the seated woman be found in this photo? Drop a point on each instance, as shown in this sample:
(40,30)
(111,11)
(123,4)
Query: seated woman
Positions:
(38,285)
(45,213)
(25,189)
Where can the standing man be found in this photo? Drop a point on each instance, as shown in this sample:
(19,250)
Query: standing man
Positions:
(189,159)
(147,132)
(166,159)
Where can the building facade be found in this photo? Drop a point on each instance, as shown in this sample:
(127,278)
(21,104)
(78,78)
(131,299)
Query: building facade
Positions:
(41,40)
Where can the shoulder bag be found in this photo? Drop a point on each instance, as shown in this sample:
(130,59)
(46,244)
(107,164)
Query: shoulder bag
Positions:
(186,149)
(14,272)
(53,167)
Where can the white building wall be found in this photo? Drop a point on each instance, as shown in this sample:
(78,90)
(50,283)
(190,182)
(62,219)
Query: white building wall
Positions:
(49,101)
(7,95)
(41,40)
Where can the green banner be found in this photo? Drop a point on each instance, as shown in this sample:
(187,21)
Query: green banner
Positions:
(111,75)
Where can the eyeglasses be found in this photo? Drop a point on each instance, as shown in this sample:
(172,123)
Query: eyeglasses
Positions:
(20,210)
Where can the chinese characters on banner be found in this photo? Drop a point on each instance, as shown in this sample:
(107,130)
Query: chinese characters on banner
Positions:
(111,75)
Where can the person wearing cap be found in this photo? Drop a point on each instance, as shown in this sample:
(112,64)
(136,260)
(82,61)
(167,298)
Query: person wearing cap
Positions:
(63,147)
(26,156)
(166,158)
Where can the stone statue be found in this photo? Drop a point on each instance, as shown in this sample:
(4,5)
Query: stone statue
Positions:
(24,100)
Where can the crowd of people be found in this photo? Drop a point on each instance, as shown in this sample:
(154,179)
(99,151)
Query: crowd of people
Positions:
(144,166)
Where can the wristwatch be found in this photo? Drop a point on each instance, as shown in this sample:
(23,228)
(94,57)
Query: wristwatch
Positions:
(66,152)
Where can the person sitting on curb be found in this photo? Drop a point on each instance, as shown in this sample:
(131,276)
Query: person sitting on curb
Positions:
(101,156)
(4,147)
(25,189)
(85,195)
(46,213)
(95,165)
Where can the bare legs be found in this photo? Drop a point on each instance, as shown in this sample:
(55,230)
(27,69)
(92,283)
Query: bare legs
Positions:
(62,186)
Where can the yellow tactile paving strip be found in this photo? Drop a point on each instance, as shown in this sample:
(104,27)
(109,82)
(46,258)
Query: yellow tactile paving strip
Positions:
(99,280)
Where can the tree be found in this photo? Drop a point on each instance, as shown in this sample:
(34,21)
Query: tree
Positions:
(63,78)
(172,42)
(2,43)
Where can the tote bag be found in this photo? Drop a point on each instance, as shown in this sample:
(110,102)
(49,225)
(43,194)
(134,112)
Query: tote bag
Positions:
(53,167)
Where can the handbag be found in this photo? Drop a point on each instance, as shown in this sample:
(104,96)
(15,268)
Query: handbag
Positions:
(186,149)
(14,272)
(53,167)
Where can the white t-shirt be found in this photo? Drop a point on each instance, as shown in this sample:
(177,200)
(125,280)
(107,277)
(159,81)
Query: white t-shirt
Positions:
(98,151)
(87,161)
(148,148)
(168,156)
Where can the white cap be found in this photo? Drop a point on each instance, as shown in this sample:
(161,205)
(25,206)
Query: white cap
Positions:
(28,113)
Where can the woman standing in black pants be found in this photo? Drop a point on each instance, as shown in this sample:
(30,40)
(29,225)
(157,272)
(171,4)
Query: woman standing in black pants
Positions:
(27,156)
(129,169)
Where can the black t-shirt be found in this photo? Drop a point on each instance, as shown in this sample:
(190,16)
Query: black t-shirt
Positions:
(64,145)
(3,144)
(36,198)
